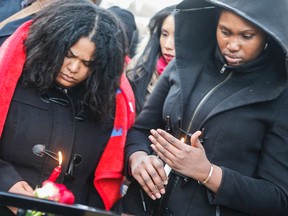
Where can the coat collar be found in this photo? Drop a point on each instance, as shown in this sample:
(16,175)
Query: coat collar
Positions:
(268,87)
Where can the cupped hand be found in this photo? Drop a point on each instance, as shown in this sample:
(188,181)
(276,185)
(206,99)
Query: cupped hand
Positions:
(148,170)
(189,160)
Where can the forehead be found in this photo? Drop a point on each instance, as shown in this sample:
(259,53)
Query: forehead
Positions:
(169,22)
(231,20)
(84,49)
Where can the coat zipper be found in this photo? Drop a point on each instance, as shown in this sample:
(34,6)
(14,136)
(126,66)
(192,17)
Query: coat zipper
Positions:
(218,211)
(207,96)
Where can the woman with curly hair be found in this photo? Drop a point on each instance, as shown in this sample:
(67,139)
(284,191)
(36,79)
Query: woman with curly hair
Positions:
(62,88)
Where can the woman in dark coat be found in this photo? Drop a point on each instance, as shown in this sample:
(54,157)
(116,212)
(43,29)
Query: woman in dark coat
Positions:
(62,86)
(229,93)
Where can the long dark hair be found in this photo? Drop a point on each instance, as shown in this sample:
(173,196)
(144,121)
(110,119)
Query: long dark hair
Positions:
(57,28)
(141,74)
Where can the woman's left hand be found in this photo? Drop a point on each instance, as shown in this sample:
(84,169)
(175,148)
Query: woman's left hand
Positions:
(22,188)
(189,160)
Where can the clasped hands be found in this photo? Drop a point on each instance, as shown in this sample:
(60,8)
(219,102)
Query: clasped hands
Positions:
(189,160)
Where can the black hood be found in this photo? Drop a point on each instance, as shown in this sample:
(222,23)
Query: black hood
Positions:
(270,16)
(195,33)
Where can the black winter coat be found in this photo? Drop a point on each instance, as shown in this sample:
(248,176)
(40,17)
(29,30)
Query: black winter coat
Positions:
(52,119)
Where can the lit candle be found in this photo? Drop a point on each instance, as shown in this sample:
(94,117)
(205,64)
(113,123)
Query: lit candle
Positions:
(57,170)
(182,139)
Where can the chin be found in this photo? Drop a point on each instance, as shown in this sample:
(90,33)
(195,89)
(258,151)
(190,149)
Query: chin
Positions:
(64,84)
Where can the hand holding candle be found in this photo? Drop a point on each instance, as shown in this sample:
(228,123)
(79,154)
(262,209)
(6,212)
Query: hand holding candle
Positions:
(51,190)
(57,170)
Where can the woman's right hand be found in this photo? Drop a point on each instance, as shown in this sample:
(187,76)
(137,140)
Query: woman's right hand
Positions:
(148,170)
(22,188)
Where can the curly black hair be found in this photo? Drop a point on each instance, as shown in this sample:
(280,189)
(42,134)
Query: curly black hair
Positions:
(56,29)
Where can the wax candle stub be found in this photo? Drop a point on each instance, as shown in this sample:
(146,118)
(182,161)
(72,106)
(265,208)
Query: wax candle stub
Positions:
(55,174)
(57,170)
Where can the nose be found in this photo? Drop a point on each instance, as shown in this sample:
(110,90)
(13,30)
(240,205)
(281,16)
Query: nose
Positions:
(233,45)
(74,65)
(169,45)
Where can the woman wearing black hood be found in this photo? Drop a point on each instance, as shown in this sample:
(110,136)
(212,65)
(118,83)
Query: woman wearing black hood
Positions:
(229,93)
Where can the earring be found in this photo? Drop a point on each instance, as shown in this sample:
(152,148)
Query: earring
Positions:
(266,45)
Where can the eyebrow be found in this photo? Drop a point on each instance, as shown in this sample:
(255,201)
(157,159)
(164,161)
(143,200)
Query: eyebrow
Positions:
(84,60)
(251,30)
(163,29)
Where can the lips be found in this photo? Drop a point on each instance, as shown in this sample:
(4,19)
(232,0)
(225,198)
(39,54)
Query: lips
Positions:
(232,59)
(168,57)
(67,78)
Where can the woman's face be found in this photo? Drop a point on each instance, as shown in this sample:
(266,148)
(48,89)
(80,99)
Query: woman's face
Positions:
(75,67)
(167,39)
(239,41)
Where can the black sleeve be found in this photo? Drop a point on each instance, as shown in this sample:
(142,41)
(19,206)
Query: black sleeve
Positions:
(9,176)
(151,117)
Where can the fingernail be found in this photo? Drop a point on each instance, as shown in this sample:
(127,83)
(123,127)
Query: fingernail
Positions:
(165,182)
(158,195)
(162,191)
(153,197)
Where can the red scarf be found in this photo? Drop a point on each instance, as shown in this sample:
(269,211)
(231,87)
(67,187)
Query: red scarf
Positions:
(108,174)
(161,64)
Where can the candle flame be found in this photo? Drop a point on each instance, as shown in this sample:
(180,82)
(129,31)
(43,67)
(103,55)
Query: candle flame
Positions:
(182,139)
(60,158)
